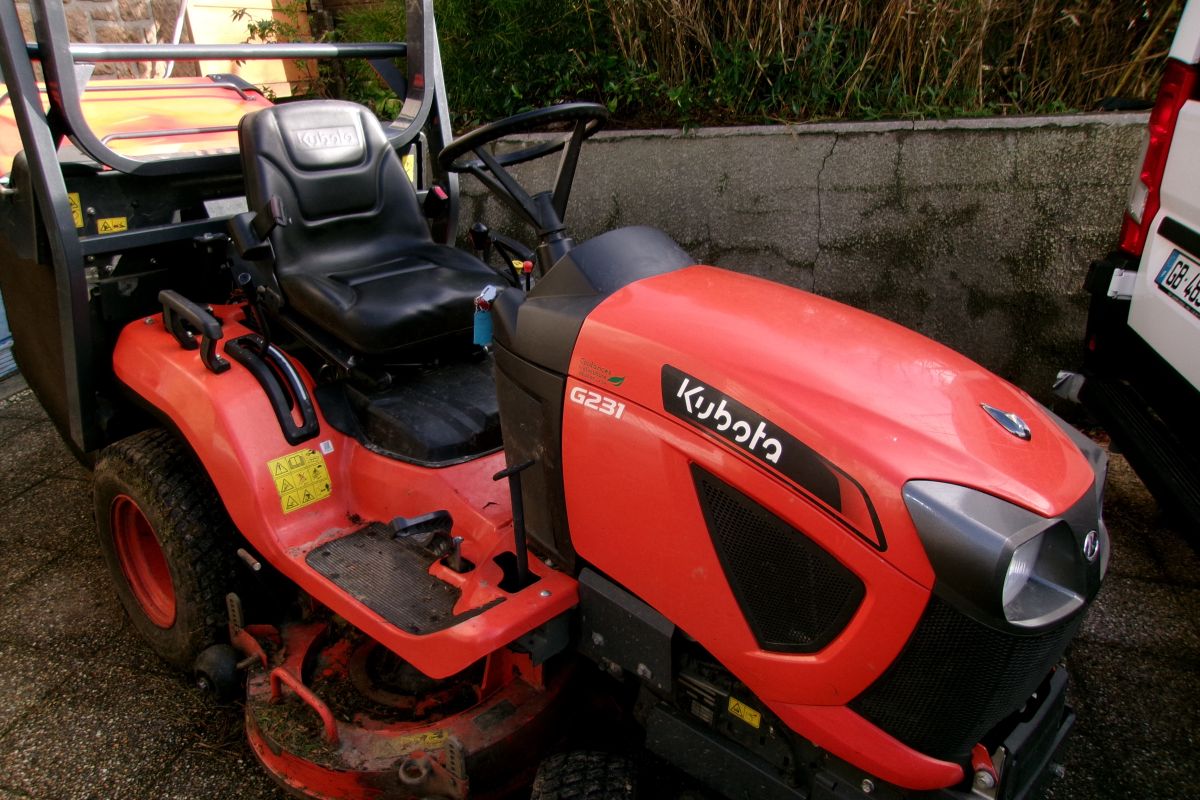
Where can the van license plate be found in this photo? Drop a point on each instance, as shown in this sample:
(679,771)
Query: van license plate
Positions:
(1180,278)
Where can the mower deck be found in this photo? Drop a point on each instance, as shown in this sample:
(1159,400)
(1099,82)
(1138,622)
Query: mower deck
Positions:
(337,715)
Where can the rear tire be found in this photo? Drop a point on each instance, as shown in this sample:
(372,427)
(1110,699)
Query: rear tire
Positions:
(168,543)
(585,775)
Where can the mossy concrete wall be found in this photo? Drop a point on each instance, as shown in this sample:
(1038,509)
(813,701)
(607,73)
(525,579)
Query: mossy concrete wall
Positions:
(976,232)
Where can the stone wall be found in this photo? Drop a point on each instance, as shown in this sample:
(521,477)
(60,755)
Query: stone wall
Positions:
(977,233)
(119,21)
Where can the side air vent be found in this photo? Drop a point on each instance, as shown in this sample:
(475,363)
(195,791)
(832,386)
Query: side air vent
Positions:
(795,596)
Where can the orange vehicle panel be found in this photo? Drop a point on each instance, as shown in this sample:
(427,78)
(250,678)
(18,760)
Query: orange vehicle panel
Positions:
(905,407)
(194,118)
(227,421)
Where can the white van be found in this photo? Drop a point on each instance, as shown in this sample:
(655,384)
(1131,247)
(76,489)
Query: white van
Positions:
(1142,376)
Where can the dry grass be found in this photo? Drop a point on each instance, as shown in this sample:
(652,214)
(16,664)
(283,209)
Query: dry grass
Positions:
(968,55)
(669,62)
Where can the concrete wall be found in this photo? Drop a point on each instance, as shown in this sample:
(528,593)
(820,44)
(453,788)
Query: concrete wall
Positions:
(977,233)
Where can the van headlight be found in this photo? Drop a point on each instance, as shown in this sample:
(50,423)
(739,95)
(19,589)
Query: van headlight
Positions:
(1003,564)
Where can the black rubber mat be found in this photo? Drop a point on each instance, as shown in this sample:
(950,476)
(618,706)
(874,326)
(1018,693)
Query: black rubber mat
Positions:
(390,577)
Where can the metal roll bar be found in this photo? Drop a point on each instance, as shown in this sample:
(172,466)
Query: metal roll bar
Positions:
(215,52)
(423,112)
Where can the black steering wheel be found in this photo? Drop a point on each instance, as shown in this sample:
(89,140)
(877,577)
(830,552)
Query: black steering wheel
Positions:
(544,210)
(588,118)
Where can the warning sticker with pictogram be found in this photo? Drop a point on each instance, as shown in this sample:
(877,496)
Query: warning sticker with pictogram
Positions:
(301,479)
(112,225)
(76,209)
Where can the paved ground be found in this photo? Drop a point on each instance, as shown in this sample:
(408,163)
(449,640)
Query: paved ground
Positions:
(87,712)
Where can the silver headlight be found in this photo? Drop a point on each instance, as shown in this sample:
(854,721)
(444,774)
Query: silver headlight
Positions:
(1020,569)
(1006,565)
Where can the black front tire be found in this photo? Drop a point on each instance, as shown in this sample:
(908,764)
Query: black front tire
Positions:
(586,775)
(168,542)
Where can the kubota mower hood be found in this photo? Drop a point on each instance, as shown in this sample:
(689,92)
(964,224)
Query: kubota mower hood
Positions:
(844,405)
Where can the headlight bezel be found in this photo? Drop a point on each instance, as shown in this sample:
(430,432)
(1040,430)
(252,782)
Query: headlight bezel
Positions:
(974,540)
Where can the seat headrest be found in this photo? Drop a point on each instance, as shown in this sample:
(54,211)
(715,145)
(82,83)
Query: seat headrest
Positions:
(325,159)
(322,135)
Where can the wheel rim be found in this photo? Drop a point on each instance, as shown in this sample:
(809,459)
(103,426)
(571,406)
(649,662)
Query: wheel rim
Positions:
(142,562)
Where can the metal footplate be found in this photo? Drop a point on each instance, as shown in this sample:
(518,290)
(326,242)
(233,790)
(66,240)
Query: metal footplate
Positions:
(391,577)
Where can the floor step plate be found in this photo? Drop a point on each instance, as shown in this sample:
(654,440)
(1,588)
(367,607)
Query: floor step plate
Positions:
(390,576)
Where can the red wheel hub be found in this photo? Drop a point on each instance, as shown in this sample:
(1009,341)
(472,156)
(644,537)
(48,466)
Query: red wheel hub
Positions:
(142,561)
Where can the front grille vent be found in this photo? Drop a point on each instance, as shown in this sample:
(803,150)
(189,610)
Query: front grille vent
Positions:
(956,679)
(795,596)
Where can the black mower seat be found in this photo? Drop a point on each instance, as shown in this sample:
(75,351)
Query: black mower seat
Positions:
(355,257)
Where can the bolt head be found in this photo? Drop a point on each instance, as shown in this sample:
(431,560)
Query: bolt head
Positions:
(984,780)
(597,639)
(868,785)
(544,593)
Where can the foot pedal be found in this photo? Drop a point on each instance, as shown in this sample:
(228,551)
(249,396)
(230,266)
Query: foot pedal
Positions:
(425,528)
(432,531)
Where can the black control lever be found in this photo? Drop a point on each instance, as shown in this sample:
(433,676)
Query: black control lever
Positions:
(184,320)
(483,241)
(513,474)
(282,384)
(437,203)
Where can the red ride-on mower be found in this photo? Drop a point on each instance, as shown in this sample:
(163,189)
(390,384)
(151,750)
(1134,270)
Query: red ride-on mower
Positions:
(410,501)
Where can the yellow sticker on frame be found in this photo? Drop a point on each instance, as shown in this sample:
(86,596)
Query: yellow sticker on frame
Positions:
(745,713)
(301,478)
(112,225)
(431,740)
(76,208)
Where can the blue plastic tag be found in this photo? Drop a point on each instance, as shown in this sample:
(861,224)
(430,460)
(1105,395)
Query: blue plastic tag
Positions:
(483,327)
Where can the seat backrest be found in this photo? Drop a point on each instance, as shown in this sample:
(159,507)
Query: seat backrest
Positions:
(343,188)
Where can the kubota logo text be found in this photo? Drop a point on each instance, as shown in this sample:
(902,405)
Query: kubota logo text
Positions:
(719,417)
(321,138)
(741,427)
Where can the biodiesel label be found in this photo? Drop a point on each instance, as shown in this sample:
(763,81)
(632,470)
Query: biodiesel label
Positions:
(409,162)
(301,478)
(745,713)
(596,373)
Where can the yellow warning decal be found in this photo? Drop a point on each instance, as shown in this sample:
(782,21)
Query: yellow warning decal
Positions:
(112,225)
(745,713)
(301,479)
(430,740)
(76,208)
(410,167)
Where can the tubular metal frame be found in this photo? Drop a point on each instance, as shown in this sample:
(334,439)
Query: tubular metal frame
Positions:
(423,111)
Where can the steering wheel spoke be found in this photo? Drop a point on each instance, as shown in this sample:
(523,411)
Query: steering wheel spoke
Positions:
(502,183)
(566,168)
(469,154)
